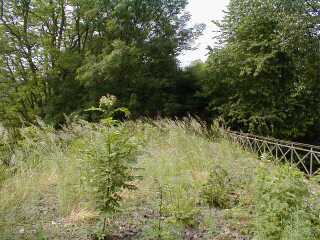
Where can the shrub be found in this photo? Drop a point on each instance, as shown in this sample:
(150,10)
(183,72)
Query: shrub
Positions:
(281,205)
(107,165)
(218,190)
(182,206)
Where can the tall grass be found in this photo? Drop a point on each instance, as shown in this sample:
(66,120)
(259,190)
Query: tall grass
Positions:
(176,164)
(193,183)
(54,181)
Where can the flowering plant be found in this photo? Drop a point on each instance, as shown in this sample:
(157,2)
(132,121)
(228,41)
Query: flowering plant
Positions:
(108,110)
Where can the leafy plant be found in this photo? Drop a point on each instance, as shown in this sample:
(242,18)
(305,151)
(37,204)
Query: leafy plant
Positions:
(180,204)
(107,169)
(108,110)
(281,205)
(107,166)
(107,161)
(217,191)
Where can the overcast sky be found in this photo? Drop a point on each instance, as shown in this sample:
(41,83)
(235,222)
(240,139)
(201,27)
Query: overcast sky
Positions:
(203,11)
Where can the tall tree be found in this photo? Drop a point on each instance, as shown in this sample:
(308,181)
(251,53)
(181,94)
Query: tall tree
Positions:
(59,56)
(265,77)
(138,60)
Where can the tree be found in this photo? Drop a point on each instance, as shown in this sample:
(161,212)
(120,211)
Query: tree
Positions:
(39,55)
(265,76)
(138,60)
(60,56)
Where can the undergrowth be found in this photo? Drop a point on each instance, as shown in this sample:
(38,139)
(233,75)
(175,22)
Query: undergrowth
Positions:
(284,207)
(149,180)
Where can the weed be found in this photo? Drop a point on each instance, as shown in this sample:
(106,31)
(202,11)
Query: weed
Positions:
(281,205)
(218,189)
(79,176)
(208,224)
(107,166)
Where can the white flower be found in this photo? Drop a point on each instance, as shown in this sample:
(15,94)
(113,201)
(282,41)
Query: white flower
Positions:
(107,101)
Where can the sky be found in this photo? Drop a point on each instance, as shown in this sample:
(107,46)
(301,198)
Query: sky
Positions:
(203,11)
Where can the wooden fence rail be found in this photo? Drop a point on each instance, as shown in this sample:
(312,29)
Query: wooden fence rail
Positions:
(304,156)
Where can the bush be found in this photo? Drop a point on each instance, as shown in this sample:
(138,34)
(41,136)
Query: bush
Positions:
(282,206)
(218,190)
(181,205)
(107,165)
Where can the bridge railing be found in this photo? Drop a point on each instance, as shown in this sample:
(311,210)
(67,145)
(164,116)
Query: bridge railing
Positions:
(304,156)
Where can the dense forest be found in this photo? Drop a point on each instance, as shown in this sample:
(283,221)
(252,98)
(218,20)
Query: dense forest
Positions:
(58,57)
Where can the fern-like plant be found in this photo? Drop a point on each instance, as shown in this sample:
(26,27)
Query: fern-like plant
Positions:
(107,110)
(108,159)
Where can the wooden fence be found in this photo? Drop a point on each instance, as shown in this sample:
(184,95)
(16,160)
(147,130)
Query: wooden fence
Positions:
(305,157)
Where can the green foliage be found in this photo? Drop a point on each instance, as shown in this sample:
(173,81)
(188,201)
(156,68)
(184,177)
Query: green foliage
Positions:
(58,57)
(68,184)
(34,142)
(217,191)
(282,205)
(257,79)
(3,173)
(5,153)
(75,174)
(107,166)
(166,226)
(108,110)
(180,204)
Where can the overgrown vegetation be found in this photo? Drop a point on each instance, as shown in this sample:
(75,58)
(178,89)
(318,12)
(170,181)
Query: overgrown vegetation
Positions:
(263,77)
(218,189)
(283,206)
(59,57)
(72,171)
(81,183)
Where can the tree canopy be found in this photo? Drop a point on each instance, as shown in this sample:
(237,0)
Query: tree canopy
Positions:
(265,76)
(58,57)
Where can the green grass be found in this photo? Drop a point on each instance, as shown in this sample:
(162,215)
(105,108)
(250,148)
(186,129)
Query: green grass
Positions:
(176,164)
(193,185)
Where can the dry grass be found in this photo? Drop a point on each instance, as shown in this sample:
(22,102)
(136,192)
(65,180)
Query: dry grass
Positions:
(45,197)
(81,216)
